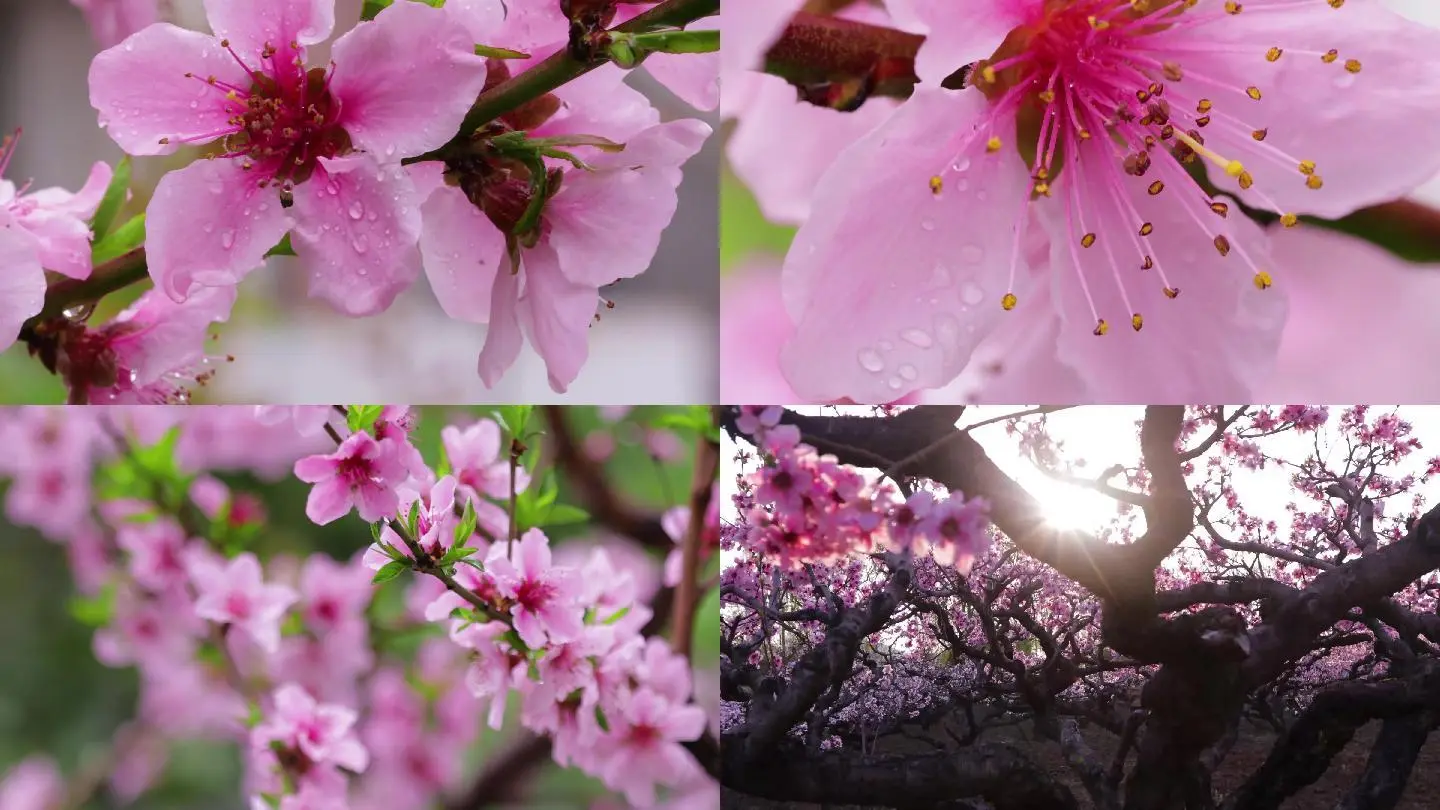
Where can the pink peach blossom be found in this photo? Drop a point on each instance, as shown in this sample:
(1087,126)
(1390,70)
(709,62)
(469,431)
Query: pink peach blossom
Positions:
(1046,189)
(360,474)
(545,598)
(325,142)
(235,593)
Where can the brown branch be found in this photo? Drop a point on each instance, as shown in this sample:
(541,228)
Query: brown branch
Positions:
(687,594)
(600,499)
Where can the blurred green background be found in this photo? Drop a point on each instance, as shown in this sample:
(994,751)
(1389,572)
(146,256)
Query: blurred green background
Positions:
(56,699)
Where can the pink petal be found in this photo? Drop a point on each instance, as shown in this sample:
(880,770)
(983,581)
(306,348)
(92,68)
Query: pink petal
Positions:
(22,282)
(600,103)
(209,224)
(503,338)
(406,80)
(958,32)
(375,502)
(63,240)
(1217,341)
(250,26)
(142,93)
(357,225)
(314,469)
(753,327)
(749,28)
(529,628)
(1332,347)
(695,78)
(1320,112)
(891,285)
(80,204)
(534,554)
(605,225)
(463,251)
(557,315)
(328,501)
(169,336)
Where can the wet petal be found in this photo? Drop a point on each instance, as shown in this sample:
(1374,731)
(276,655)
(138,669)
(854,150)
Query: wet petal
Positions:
(557,315)
(22,282)
(891,285)
(250,26)
(1373,135)
(210,224)
(503,338)
(406,80)
(1215,341)
(357,227)
(142,93)
(463,251)
(958,32)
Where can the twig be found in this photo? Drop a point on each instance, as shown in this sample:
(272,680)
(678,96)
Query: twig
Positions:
(702,487)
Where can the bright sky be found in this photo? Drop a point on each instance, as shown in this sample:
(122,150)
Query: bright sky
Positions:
(1105,435)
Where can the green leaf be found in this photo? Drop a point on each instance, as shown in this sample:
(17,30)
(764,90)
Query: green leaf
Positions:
(362,417)
(115,196)
(514,417)
(373,7)
(124,239)
(94,611)
(499,53)
(253,715)
(619,614)
(376,529)
(412,521)
(458,553)
(696,419)
(706,639)
(601,720)
(466,528)
(389,571)
(563,514)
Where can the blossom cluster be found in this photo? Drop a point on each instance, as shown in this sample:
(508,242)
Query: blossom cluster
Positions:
(295,658)
(810,508)
(369,167)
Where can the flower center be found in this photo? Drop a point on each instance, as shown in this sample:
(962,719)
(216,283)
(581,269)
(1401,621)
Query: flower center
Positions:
(1107,90)
(284,122)
(534,594)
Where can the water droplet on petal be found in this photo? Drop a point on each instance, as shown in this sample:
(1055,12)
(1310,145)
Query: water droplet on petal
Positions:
(227,239)
(917,337)
(870,360)
(908,372)
(971,294)
(356,210)
(895,383)
(947,330)
(962,163)
(360,243)
(928,224)
(940,276)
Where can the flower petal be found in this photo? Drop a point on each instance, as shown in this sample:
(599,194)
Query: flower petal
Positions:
(1215,342)
(1373,135)
(463,251)
(958,32)
(210,224)
(142,93)
(22,282)
(891,285)
(557,316)
(405,80)
(251,26)
(503,338)
(606,224)
(357,225)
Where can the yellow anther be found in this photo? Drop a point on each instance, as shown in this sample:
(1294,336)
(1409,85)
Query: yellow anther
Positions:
(1223,245)
(1043,189)
(1204,106)
(1307,167)
(1253,92)
(1147,264)
(1220,208)
(936,184)
(1330,56)
(1156,187)
(1084,134)
(1172,293)
(1336,3)
(1172,71)
(1097,23)
(1136,321)
(993,145)
(1289,220)
(1202,121)
(1232,7)
(1314,181)
(1273,55)
(1263,281)
(1008,301)
(1147,229)
(987,74)
(1245,180)
(1102,328)
(1260,134)
(1047,96)
(1088,240)
(1352,65)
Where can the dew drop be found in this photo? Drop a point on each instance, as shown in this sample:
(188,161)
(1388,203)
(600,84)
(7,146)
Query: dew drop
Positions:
(208,228)
(917,337)
(972,254)
(895,383)
(360,243)
(962,163)
(947,330)
(962,184)
(227,239)
(356,210)
(940,276)
(971,294)
(982,195)
(908,372)
(928,224)
(870,360)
